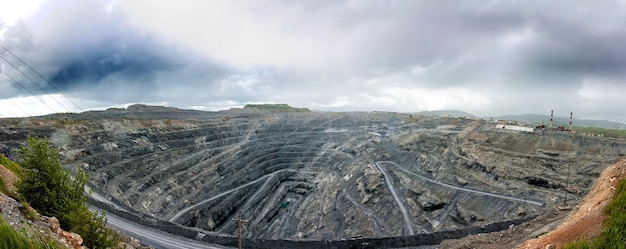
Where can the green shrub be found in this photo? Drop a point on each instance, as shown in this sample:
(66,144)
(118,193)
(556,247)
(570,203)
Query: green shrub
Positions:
(47,186)
(55,191)
(92,227)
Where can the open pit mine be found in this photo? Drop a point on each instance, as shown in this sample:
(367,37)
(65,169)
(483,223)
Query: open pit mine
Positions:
(318,176)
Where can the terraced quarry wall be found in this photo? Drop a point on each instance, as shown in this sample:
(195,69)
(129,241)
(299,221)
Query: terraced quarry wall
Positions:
(324,176)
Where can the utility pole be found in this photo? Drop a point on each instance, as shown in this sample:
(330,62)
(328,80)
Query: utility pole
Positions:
(566,184)
(551,115)
(570,122)
(239,221)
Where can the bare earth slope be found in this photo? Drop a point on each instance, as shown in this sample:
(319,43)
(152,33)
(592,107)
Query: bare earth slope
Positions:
(556,227)
(585,221)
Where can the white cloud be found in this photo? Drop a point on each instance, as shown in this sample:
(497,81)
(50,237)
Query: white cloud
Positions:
(34,106)
(515,38)
(12,11)
(598,93)
(230,31)
(439,99)
(341,102)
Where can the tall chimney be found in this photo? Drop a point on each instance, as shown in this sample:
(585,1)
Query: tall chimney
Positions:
(570,121)
(551,114)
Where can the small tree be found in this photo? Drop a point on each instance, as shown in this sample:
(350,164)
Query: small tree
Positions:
(47,186)
(55,191)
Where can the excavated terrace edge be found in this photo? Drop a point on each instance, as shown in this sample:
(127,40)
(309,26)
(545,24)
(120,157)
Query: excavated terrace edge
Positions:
(229,240)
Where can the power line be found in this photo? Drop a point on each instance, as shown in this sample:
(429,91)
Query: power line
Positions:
(40,76)
(40,87)
(20,84)
(18,107)
(619,124)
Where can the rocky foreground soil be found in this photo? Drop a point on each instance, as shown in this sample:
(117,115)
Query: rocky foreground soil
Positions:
(321,176)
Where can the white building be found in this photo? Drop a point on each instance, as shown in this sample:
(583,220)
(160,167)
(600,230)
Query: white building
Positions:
(514,128)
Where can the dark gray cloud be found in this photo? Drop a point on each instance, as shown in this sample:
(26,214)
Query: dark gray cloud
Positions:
(134,62)
(97,54)
(573,50)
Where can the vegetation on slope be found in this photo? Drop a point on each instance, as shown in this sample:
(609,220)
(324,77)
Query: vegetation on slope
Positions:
(3,187)
(614,133)
(12,166)
(27,238)
(614,233)
(55,191)
(11,238)
(277,108)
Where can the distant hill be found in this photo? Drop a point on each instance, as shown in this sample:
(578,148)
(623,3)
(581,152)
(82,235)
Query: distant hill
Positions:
(159,112)
(276,108)
(137,111)
(561,121)
(449,113)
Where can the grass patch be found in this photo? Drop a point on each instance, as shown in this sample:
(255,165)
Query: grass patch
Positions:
(11,238)
(12,166)
(28,210)
(3,187)
(602,131)
(614,233)
(276,108)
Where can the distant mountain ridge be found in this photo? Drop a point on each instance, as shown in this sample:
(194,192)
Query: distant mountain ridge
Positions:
(142,111)
(139,111)
(155,112)
(276,108)
(449,113)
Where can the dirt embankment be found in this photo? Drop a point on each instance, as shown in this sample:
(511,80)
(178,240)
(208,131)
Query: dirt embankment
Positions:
(556,227)
(585,221)
(9,179)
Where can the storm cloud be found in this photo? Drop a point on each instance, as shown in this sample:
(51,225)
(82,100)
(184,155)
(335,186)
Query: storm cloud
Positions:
(484,57)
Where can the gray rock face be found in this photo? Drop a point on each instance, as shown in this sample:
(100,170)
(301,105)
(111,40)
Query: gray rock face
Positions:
(315,175)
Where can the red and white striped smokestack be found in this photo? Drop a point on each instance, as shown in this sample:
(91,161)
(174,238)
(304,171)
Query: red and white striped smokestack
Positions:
(551,114)
(570,120)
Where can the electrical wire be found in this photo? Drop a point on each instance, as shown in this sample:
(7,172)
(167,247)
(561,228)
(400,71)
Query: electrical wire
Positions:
(31,80)
(40,76)
(17,106)
(619,124)
(28,90)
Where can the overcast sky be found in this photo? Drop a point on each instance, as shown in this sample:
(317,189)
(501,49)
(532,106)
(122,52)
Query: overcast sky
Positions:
(483,57)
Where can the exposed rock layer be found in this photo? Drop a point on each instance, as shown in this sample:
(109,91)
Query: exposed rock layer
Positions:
(314,176)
